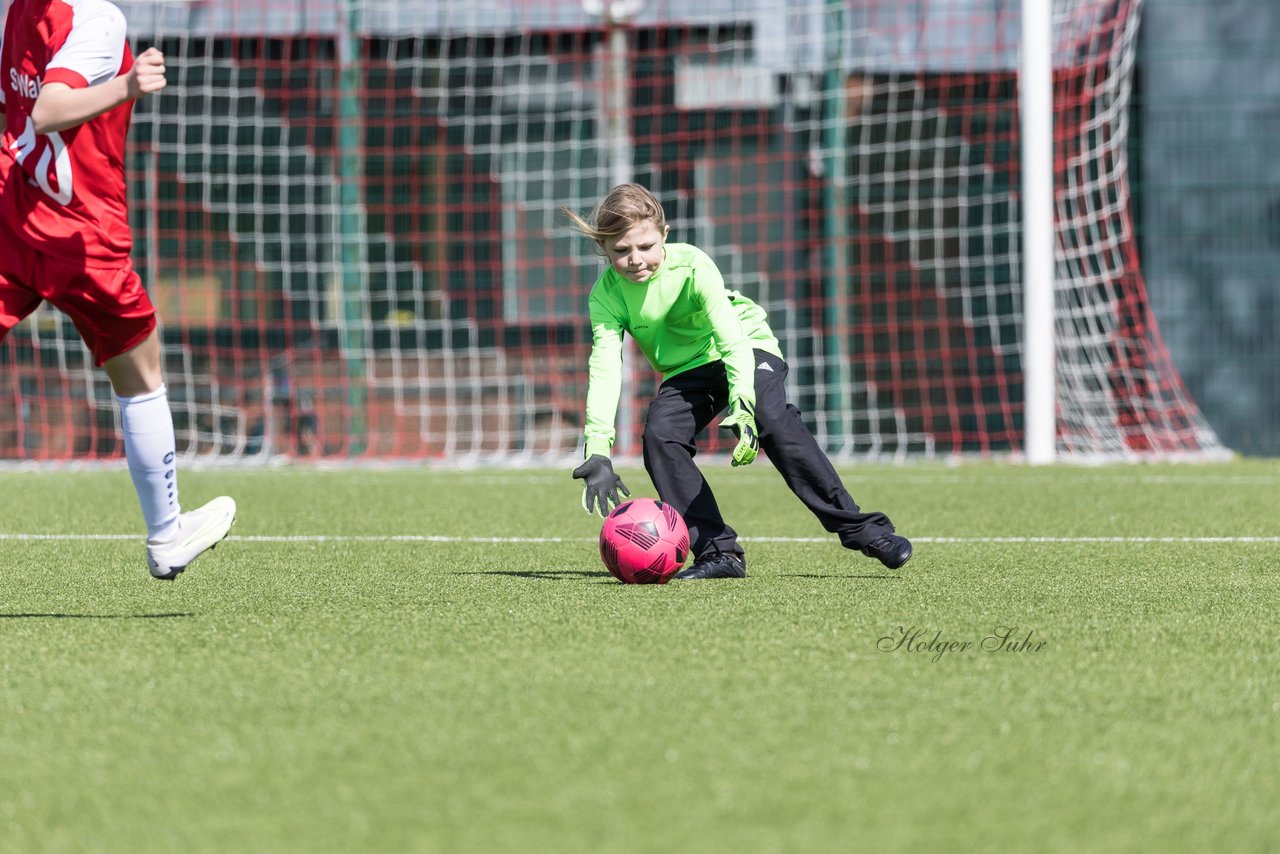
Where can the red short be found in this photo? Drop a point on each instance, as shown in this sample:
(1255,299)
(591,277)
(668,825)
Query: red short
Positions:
(108,305)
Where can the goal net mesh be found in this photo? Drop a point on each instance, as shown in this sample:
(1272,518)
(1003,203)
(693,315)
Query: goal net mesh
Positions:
(347,216)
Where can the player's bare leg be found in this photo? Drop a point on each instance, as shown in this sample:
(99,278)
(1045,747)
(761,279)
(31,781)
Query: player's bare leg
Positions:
(174,538)
(136,372)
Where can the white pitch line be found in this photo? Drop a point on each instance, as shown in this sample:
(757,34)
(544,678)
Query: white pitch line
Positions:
(427,538)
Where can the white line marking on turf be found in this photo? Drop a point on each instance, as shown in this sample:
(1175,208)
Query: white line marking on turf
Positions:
(429,538)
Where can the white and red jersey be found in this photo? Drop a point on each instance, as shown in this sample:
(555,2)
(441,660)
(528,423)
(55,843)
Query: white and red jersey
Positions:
(64,191)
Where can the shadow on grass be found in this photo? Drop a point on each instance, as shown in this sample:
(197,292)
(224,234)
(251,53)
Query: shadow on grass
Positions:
(543,575)
(95,616)
(839,575)
(604,577)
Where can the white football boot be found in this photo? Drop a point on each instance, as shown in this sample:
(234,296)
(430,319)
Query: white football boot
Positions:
(198,531)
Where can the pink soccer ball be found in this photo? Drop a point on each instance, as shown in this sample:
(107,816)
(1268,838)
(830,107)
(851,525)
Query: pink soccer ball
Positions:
(644,542)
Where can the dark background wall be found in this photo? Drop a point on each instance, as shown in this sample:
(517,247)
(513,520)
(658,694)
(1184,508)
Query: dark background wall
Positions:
(1207,117)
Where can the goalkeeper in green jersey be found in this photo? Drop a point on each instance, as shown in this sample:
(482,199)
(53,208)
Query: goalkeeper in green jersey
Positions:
(714,350)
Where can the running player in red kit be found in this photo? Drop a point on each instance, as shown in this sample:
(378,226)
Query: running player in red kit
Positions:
(67,87)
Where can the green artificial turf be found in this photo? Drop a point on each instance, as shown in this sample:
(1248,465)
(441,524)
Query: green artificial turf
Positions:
(359,692)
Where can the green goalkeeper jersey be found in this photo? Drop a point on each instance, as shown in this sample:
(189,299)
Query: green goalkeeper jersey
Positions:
(681,317)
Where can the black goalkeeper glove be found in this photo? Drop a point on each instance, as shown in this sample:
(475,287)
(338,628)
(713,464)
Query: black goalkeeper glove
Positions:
(602,485)
(742,421)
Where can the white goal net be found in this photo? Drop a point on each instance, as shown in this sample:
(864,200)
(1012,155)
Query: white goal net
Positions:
(346,213)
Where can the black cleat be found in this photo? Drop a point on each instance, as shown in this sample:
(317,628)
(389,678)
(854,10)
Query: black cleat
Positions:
(890,549)
(716,565)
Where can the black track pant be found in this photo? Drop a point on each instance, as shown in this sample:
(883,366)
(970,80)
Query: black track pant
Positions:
(685,405)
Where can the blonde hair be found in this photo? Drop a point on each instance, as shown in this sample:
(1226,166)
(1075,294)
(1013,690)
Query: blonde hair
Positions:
(624,206)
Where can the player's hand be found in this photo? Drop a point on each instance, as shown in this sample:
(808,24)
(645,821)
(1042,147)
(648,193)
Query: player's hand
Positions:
(602,485)
(742,421)
(147,74)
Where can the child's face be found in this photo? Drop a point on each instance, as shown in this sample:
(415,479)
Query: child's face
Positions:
(638,252)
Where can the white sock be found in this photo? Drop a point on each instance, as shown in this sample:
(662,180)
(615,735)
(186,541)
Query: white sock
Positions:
(150,449)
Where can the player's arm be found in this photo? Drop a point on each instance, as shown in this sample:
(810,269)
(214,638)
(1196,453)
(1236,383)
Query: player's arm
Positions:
(604,389)
(726,328)
(739,360)
(60,106)
(604,377)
